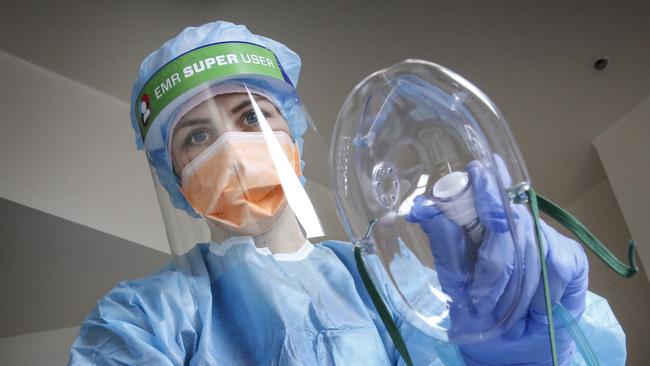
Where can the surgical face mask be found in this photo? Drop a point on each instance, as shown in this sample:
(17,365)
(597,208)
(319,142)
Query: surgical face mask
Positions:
(234,181)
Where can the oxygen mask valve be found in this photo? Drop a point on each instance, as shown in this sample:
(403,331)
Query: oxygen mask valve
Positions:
(454,195)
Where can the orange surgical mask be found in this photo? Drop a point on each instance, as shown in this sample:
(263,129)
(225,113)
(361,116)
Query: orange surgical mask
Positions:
(234,181)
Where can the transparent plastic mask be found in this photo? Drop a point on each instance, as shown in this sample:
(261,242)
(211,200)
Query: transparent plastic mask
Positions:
(412,130)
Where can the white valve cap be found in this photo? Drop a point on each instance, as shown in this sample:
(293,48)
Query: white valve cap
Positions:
(455,196)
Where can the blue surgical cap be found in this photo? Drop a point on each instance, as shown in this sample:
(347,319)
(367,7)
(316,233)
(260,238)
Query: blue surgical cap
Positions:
(190,39)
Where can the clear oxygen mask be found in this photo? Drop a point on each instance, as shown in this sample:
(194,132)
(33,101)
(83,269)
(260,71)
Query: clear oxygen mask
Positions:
(406,136)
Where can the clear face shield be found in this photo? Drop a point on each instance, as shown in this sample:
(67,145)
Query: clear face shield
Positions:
(416,139)
(227,153)
(222,155)
(234,154)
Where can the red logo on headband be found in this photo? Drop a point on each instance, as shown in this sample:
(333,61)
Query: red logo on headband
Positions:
(145,112)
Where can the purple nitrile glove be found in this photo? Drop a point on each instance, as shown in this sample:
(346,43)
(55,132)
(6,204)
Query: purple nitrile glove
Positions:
(482,279)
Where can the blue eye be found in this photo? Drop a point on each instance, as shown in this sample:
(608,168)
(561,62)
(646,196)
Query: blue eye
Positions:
(197,137)
(250,118)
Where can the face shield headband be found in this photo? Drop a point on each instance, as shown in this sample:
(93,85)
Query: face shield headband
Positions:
(207,64)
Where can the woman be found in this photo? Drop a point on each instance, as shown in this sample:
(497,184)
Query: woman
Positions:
(216,111)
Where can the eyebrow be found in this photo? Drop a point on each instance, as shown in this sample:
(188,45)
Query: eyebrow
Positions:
(246,103)
(192,122)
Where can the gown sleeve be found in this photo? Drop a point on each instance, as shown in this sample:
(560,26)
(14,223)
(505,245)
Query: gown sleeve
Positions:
(603,333)
(139,322)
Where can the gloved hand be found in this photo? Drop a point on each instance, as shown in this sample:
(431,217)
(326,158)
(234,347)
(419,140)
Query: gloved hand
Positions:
(481,278)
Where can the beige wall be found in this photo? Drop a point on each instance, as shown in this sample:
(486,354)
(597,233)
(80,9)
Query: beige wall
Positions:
(625,153)
(629,298)
(67,158)
(42,348)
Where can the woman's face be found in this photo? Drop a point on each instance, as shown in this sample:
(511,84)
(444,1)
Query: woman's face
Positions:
(205,123)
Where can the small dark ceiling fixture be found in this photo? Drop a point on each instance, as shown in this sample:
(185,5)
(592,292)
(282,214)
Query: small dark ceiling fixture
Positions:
(600,63)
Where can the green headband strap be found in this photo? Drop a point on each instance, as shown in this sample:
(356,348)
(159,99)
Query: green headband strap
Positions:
(215,61)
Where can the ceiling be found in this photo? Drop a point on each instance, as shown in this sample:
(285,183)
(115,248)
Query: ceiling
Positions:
(534,59)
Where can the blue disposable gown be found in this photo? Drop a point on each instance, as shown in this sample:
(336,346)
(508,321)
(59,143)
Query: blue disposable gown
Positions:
(244,306)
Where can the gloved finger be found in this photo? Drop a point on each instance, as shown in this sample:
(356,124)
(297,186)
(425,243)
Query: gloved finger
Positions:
(446,238)
(423,209)
(487,198)
(447,243)
(522,286)
(502,170)
(568,275)
(493,270)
